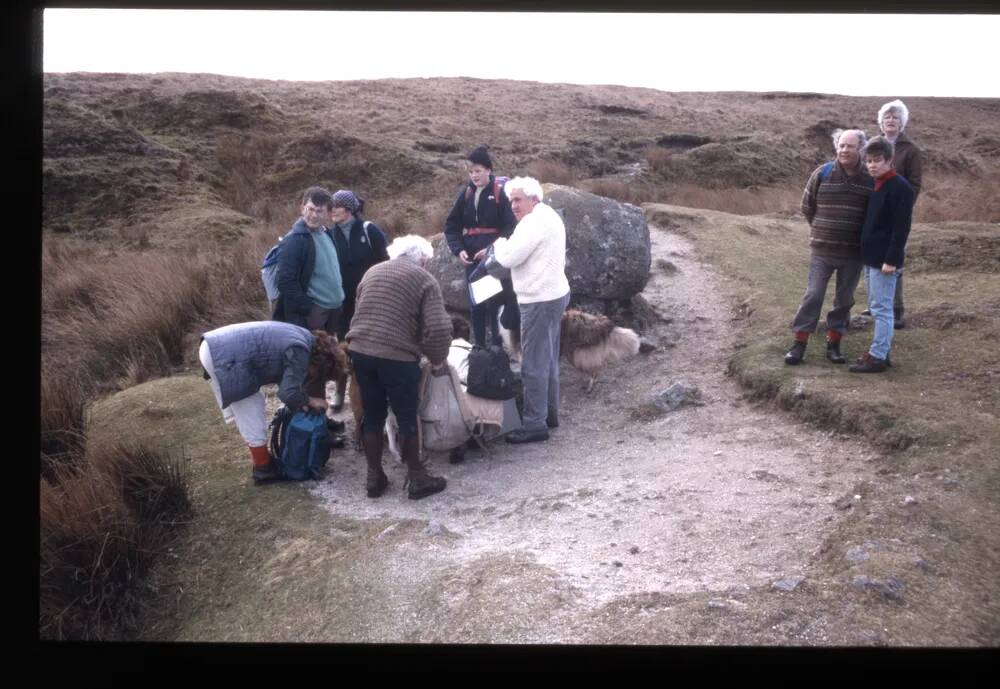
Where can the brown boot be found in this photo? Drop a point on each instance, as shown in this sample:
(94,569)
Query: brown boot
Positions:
(376,481)
(419,482)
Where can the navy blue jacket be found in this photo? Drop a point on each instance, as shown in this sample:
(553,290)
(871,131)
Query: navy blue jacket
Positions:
(492,212)
(247,356)
(296,262)
(887,223)
(359,254)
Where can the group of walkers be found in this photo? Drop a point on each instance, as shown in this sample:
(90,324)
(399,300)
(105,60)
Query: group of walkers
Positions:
(339,280)
(859,208)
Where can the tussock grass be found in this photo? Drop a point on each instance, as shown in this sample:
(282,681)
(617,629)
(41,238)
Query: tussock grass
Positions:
(100,530)
(550,171)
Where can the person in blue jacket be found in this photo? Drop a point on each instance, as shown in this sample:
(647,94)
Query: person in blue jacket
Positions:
(480,215)
(240,358)
(311,292)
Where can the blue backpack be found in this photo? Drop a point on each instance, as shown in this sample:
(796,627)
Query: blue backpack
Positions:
(269,271)
(824,174)
(300,442)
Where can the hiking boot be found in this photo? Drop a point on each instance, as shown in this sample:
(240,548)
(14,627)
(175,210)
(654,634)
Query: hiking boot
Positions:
(869,364)
(552,420)
(335,426)
(833,352)
(418,487)
(866,312)
(522,435)
(268,473)
(795,354)
(419,482)
(375,484)
(376,481)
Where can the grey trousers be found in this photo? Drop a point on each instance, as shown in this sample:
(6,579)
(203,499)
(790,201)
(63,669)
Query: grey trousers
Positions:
(540,324)
(323,319)
(820,269)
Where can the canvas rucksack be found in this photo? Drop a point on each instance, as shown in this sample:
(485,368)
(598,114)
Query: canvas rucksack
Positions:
(300,443)
(489,373)
(269,266)
(444,419)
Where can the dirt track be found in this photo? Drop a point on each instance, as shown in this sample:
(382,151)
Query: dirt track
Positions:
(537,543)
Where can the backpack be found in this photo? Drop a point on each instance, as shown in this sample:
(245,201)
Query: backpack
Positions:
(300,443)
(269,266)
(824,173)
(444,419)
(489,373)
(498,182)
(269,271)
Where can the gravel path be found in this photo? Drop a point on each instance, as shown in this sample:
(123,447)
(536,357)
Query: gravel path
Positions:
(529,542)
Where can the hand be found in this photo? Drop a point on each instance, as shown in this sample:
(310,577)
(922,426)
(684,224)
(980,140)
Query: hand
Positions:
(887,269)
(480,255)
(316,404)
(438,369)
(464,257)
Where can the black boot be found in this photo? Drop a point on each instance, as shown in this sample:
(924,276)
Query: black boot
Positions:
(833,352)
(419,482)
(376,481)
(795,354)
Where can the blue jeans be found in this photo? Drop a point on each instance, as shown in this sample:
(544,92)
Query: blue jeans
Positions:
(881,291)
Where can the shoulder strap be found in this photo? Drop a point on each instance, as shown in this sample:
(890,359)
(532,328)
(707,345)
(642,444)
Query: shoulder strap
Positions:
(824,173)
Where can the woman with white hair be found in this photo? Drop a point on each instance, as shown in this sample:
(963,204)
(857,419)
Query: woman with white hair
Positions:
(399,315)
(536,256)
(892,119)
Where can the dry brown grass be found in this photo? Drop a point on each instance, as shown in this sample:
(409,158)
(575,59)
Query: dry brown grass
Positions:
(100,529)
(659,159)
(550,171)
(754,201)
(243,161)
(955,197)
(618,190)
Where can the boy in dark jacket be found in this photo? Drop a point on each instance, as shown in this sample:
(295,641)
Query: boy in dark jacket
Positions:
(883,244)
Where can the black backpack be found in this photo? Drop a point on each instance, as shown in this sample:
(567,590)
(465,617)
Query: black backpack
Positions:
(489,374)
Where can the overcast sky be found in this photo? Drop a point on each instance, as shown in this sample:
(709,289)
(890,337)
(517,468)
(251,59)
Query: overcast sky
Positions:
(924,55)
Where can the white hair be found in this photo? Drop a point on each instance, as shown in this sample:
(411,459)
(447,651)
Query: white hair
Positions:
(862,139)
(899,108)
(528,185)
(411,246)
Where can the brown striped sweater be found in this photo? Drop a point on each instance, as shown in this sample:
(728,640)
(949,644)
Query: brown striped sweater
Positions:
(400,314)
(835,210)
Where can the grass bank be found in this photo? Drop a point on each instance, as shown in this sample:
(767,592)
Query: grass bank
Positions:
(934,414)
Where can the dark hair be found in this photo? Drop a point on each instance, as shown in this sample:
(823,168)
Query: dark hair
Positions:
(319,197)
(459,328)
(879,146)
(327,360)
(481,157)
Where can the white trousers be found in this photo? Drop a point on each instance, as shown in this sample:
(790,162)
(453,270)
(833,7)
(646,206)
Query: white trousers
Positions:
(249,413)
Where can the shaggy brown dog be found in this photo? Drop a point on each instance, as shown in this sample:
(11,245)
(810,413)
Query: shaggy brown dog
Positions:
(354,392)
(589,342)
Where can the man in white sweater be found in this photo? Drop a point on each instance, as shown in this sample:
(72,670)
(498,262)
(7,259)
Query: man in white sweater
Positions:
(536,255)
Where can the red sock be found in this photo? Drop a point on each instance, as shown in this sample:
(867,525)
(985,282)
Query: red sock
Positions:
(261,456)
(833,336)
(802,336)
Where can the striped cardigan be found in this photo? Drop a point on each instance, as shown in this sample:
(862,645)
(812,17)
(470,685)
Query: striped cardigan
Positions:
(835,210)
(400,314)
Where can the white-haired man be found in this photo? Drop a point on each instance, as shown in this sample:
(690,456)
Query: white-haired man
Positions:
(399,315)
(536,255)
(834,203)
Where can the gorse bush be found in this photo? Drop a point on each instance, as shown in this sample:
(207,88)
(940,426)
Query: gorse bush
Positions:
(100,530)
